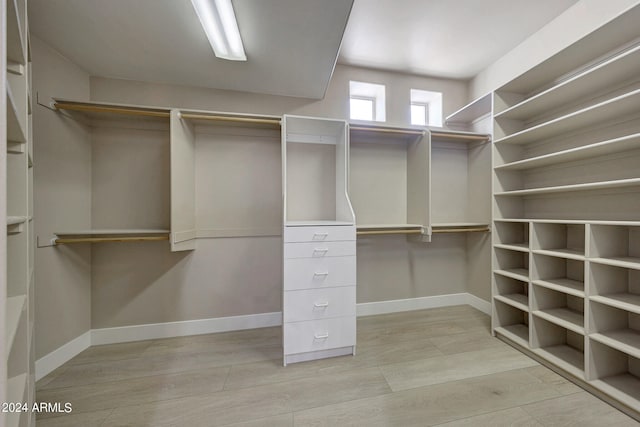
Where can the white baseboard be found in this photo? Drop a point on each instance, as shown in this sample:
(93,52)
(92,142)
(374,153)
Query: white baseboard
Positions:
(58,357)
(66,352)
(396,306)
(184,328)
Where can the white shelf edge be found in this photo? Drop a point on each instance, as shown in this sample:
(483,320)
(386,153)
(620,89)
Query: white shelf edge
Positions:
(13,220)
(511,112)
(109,232)
(625,347)
(388,226)
(611,302)
(538,131)
(475,109)
(513,247)
(569,221)
(15,308)
(318,223)
(459,224)
(616,262)
(559,253)
(507,299)
(512,332)
(513,275)
(15,128)
(546,283)
(624,143)
(572,187)
(566,324)
(552,355)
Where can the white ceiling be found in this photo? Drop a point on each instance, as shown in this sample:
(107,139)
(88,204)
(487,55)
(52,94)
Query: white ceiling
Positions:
(291,45)
(443,38)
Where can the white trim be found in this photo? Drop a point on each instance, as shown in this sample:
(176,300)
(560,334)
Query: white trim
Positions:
(395,306)
(66,352)
(58,357)
(479,304)
(184,328)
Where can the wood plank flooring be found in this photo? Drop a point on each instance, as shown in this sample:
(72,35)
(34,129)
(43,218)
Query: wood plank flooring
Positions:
(420,368)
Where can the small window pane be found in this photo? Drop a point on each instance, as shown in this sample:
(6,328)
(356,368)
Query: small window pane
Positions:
(418,114)
(361,109)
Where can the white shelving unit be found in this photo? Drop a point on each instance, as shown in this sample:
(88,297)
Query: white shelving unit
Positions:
(319,265)
(18,370)
(566,201)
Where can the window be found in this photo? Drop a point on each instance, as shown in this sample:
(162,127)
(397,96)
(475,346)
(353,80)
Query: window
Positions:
(367,101)
(426,108)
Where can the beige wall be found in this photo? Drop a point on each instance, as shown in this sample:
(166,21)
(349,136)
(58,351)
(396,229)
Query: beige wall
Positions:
(62,200)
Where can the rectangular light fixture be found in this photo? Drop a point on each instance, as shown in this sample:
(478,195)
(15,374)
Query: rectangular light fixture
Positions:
(219,22)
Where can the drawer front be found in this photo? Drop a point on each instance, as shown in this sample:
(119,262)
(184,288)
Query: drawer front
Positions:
(314,335)
(319,249)
(311,304)
(320,234)
(310,273)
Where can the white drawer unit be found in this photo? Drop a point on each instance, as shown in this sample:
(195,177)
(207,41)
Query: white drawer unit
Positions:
(314,304)
(319,241)
(309,273)
(319,249)
(319,234)
(318,335)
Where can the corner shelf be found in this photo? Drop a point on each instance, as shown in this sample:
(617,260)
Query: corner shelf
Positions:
(471,112)
(15,224)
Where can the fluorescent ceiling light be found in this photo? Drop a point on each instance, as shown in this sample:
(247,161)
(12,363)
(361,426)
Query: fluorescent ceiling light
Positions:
(219,23)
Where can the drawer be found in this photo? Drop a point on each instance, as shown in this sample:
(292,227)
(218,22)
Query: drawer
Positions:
(320,233)
(319,249)
(309,273)
(314,335)
(311,304)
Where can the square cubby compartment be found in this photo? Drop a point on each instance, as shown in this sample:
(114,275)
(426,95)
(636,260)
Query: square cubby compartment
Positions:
(512,291)
(616,244)
(559,308)
(615,372)
(561,239)
(514,264)
(560,274)
(559,345)
(511,322)
(615,327)
(514,234)
(616,286)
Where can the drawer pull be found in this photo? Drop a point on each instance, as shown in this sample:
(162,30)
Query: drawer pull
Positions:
(323,250)
(321,336)
(321,273)
(320,236)
(321,304)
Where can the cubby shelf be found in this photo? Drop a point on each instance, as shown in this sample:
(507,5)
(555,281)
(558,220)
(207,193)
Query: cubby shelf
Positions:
(522,247)
(601,112)
(518,301)
(626,262)
(625,301)
(564,356)
(610,146)
(561,253)
(515,273)
(565,317)
(624,340)
(602,185)
(516,333)
(623,387)
(564,285)
(609,72)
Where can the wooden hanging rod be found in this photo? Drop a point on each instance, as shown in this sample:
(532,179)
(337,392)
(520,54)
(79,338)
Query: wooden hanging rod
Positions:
(275,122)
(70,240)
(388,130)
(375,232)
(460,136)
(461,230)
(116,110)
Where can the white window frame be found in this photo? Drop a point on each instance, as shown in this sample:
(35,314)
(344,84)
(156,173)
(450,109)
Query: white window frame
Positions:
(369,91)
(433,101)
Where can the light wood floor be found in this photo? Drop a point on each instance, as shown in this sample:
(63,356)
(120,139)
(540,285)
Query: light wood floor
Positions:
(420,368)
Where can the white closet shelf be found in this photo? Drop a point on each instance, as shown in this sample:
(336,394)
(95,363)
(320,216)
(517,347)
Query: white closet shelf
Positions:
(624,388)
(602,185)
(446,135)
(564,356)
(598,113)
(521,247)
(15,224)
(314,223)
(564,317)
(15,308)
(624,340)
(561,253)
(610,146)
(16,388)
(521,274)
(472,111)
(625,262)
(625,301)
(15,127)
(519,301)
(244,120)
(460,227)
(15,40)
(516,333)
(96,109)
(110,235)
(608,73)
(564,285)
(367,128)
